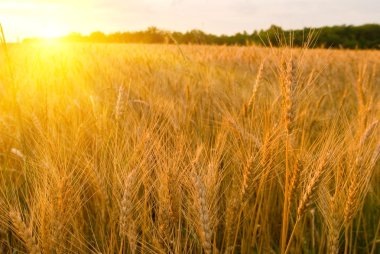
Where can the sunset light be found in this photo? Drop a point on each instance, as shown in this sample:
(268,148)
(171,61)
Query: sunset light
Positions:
(190,126)
(29,18)
(51,31)
(40,18)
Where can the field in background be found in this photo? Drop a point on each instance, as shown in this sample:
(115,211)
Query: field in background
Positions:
(213,149)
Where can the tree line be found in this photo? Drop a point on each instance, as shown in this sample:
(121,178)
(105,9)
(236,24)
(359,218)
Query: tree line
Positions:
(345,36)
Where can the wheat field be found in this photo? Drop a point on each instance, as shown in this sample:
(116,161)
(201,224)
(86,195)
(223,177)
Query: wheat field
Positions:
(188,149)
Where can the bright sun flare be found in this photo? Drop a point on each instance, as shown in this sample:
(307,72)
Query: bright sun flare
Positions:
(37,18)
(51,31)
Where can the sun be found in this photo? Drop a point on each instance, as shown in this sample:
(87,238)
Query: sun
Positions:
(51,31)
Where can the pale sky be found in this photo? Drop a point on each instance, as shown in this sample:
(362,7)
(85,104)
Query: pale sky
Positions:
(25,18)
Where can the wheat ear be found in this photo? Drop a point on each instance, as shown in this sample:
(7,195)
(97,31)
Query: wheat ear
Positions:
(203,213)
(252,99)
(311,188)
(368,133)
(248,182)
(288,87)
(127,223)
(119,107)
(295,179)
(24,232)
(334,228)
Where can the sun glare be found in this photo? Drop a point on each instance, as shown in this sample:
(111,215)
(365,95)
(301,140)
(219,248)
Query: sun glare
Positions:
(51,32)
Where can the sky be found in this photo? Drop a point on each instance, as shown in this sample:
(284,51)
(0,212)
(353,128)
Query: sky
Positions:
(44,18)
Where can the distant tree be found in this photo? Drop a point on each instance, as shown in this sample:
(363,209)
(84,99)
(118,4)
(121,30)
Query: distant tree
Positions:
(363,37)
(154,35)
(97,37)
(73,37)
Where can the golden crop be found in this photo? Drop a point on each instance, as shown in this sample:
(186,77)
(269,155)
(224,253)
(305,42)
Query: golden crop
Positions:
(188,149)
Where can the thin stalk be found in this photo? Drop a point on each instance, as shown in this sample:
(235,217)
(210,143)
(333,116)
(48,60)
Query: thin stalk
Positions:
(285,213)
(291,237)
